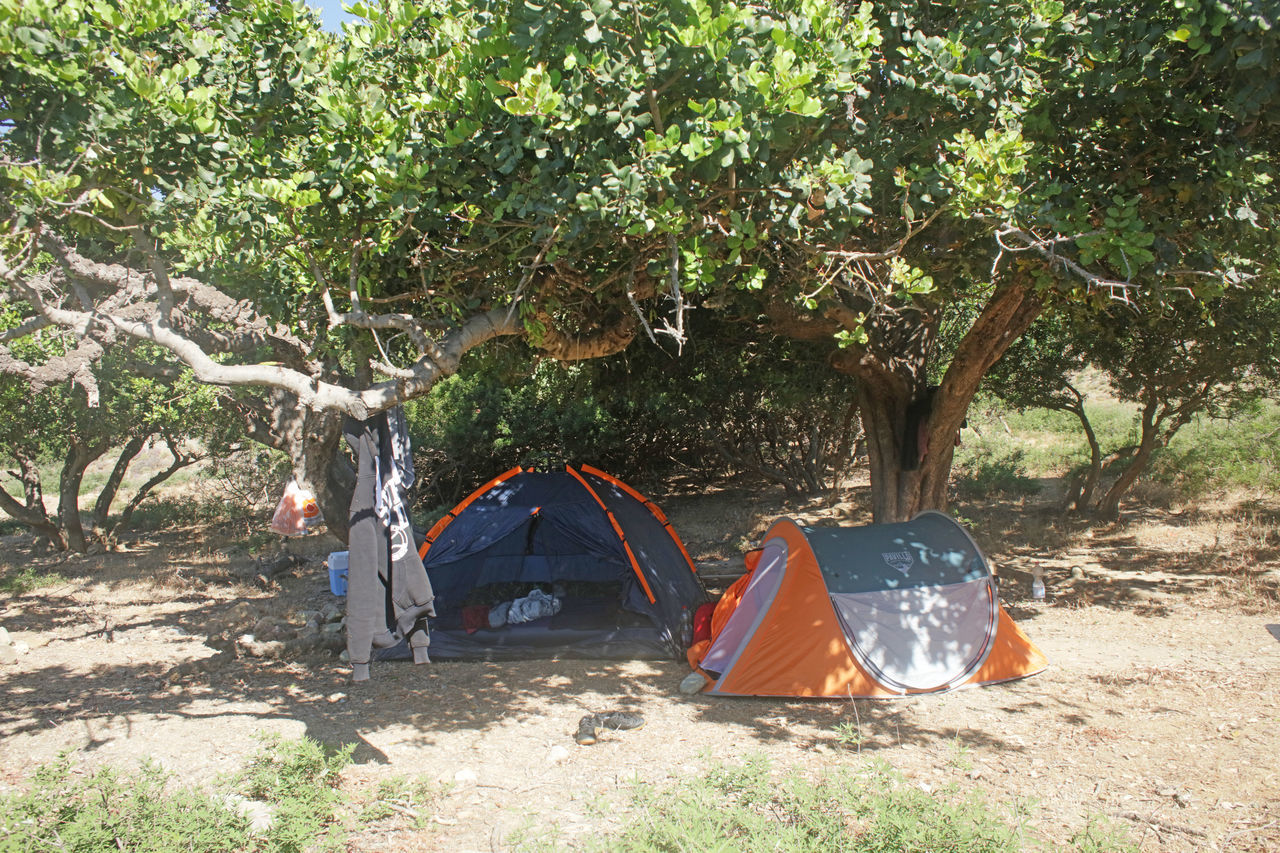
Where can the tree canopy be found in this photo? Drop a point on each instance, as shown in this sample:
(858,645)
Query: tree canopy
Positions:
(340,218)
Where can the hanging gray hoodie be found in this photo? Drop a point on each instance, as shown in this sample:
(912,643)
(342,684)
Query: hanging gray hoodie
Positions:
(389,595)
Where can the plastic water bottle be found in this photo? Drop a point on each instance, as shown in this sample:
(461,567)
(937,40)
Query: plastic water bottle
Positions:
(1037,586)
(686,628)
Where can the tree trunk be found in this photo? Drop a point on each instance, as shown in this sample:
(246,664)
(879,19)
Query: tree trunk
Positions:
(313,442)
(107,496)
(1080,495)
(911,428)
(324,468)
(1158,429)
(78,458)
(180,461)
(1095,463)
(1109,506)
(32,513)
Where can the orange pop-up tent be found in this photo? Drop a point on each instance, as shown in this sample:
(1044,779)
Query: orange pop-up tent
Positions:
(877,611)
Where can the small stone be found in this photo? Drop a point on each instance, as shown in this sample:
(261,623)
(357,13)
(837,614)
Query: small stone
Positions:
(557,754)
(1183,799)
(345,657)
(336,697)
(1168,792)
(974,774)
(21,648)
(260,648)
(465,776)
(8,655)
(5,639)
(692,683)
(333,628)
(258,813)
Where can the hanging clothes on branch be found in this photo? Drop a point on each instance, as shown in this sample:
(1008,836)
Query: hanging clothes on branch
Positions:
(389,596)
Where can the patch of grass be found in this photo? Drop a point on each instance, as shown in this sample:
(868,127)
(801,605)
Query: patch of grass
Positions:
(985,472)
(1222,454)
(401,796)
(102,811)
(299,780)
(849,734)
(64,809)
(28,579)
(961,755)
(747,808)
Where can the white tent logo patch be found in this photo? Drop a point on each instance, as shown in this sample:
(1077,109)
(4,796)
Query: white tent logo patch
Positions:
(900,560)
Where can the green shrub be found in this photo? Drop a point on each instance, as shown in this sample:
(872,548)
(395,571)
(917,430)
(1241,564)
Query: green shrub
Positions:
(299,779)
(985,472)
(746,808)
(1207,455)
(101,811)
(147,813)
(27,579)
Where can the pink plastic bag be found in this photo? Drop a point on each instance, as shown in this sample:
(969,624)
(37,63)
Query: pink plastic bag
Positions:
(297,511)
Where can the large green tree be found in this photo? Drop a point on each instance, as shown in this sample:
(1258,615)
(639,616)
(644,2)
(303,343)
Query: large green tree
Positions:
(340,219)
(1031,156)
(52,427)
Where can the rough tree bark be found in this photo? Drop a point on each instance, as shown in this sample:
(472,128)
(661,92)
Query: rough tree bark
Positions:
(107,496)
(31,511)
(910,427)
(77,459)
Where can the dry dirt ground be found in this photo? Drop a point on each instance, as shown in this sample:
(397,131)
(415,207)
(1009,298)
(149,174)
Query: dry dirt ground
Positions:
(1161,710)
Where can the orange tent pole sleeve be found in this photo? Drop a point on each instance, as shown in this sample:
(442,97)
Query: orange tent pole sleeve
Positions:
(440,525)
(649,505)
(617,528)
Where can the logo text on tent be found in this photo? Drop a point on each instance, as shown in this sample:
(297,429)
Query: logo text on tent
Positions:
(900,560)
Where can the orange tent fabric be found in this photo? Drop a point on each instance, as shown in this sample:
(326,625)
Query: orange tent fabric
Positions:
(840,624)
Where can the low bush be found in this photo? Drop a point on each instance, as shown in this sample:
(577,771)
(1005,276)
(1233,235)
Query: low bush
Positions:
(747,808)
(294,782)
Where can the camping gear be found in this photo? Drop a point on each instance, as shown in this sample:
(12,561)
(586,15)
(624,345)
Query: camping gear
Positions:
(878,611)
(608,555)
(338,563)
(617,721)
(297,513)
(389,596)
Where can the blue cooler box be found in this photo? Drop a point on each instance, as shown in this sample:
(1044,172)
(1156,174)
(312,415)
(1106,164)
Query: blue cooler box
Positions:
(337,563)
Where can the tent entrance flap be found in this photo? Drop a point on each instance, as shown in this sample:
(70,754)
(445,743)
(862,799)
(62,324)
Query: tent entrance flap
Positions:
(584,541)
(921,639)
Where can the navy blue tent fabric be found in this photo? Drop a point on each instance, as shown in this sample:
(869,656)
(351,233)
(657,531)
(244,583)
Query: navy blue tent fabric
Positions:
(561,526)
(677,593)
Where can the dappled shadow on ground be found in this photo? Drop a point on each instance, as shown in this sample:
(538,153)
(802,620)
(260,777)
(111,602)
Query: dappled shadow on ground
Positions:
(195,587)
(1152,559)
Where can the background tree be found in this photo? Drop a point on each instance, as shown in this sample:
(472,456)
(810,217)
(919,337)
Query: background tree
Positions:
(53,427)
(1176,359)
(1025,154)
(342,220)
